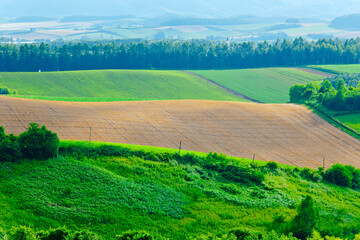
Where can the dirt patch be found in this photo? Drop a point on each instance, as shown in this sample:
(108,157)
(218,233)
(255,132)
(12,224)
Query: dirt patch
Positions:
(285,133)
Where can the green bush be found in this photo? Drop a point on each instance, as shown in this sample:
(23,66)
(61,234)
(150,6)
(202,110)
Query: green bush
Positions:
(246,234)
(243,174)
(272,166)
(22,233)
(4,91)
(39,143)
(303,224)
(135,235)
(54,234)
(340,175)
(85,235)
(311,174)
(9,147)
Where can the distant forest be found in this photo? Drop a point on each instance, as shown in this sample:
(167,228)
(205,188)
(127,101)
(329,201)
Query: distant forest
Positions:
(196,54)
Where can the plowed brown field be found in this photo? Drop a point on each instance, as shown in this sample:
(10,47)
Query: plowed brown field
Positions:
(285,133)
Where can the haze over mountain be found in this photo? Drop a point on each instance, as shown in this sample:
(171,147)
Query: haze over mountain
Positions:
(203,8)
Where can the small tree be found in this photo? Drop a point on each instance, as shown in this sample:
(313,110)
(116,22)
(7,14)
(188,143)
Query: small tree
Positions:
(39,143)
(339,175)
(303,224)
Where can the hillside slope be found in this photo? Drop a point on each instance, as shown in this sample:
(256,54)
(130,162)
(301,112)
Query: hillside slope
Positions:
(289,134)
(177,199)
(113,85)
(268,85)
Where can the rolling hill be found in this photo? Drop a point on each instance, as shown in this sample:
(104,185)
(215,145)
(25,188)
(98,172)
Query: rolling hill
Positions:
(268,85)
(113,85)
(286,133)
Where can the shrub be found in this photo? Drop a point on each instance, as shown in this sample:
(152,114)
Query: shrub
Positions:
(311,175)
(10,150)
(303,224)
(85,235)
(4,91)
(246,234)
(135,235)
(243,174)
(38,143)
(54,234)
(340,175)
(272,166)
(21,233)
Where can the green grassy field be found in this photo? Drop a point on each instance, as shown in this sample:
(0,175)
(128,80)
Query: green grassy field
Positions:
(113,85)
(350,120)
(349,68)
(109,195)
(268,85)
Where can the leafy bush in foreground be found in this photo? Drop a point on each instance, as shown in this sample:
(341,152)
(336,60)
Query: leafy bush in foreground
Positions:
(135,235)
(304,222)
(39,143)
(9,147)
(340,175)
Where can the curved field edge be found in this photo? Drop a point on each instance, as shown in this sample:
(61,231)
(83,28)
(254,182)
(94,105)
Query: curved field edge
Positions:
(112,85)
(350,120)
(334,119)
(268,85)
(336,68)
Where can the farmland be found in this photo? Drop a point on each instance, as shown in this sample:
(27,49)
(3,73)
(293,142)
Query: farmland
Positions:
(112,85)
(349,68)
(285,133)
(350,120)
(268,85)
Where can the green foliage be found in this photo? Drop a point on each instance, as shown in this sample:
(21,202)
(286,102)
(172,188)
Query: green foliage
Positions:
(9,147)
(272,166)
(5,91)
(22,233)
(135,235)
(296,93)
(136,190)
(38,143)
(243,174)
(61,233)
(309,174)
(340,175)
(303,224)
(339,99)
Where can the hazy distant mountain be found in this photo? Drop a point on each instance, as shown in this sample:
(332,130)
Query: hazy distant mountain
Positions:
(203,8)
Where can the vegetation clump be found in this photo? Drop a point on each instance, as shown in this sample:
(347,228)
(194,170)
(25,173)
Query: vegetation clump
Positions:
(35,142)
(339,98)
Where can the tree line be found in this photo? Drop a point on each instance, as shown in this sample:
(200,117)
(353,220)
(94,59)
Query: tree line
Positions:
(171,54)
(334,93)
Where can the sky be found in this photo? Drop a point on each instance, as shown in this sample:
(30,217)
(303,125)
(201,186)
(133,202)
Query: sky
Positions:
(203,8)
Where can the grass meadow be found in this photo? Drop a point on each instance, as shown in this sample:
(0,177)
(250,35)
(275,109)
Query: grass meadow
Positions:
(113,85)
(110,195)
(268,85)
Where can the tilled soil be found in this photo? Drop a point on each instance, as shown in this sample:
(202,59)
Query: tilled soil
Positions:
(286,133)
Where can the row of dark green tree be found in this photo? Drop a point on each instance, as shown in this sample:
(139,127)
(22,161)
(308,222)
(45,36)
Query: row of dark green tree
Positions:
(171,54)
(340,97)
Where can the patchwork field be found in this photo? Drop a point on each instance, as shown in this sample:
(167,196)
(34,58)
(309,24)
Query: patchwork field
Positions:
(351,120)
(113,85)
(349,68)
(268,85)
(288,134)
